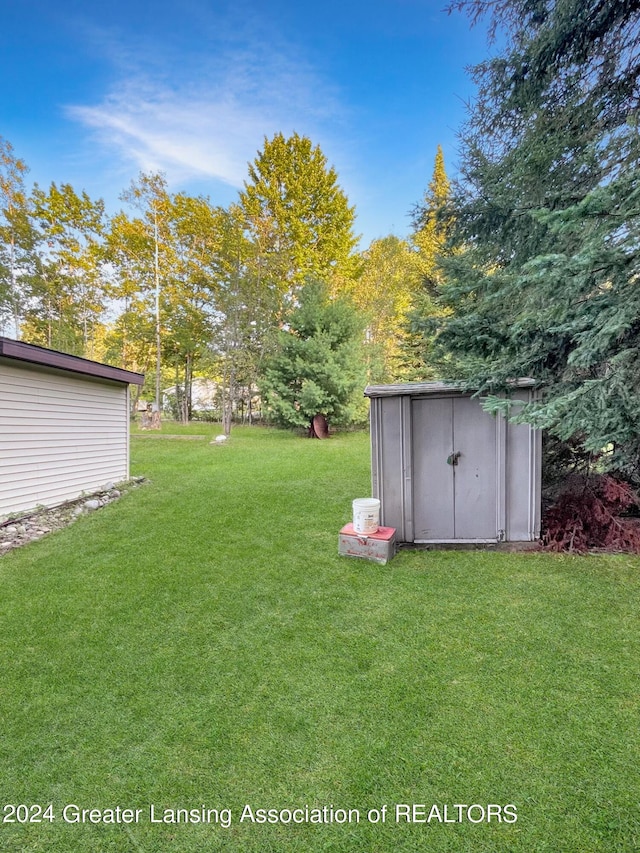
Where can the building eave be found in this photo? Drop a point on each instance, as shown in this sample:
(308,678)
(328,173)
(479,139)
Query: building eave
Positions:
(36,355)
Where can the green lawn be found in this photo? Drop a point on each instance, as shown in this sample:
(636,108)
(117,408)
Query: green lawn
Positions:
(201,643)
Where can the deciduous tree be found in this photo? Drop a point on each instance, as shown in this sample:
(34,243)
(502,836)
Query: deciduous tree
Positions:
(248,310)
(293,195)
(190,293)
(385,293)
(155,256)
(17,239)
(68,295)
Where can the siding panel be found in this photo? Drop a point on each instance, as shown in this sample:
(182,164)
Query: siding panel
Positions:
(61,434)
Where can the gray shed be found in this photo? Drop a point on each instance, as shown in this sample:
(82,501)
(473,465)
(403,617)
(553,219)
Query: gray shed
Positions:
(64,426)
(446,471)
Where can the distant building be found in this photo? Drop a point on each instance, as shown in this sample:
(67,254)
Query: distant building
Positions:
(203,395)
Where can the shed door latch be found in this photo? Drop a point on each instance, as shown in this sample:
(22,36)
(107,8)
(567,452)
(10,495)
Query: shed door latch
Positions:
(452,458)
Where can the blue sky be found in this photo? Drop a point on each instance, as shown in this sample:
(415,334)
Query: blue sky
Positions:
(95,92)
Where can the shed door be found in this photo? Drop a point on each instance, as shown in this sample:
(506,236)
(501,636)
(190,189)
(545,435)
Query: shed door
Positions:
(454,501)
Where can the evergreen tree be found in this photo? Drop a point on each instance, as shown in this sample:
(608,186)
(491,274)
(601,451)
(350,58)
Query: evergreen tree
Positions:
(431,243)
(549,213)
(432,222)
(318,367)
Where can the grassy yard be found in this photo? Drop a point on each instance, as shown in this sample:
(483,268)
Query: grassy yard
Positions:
(200,643)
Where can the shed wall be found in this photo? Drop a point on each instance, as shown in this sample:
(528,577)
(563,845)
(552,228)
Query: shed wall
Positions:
(61,434)
(391,476)
(492,494)
(523,480)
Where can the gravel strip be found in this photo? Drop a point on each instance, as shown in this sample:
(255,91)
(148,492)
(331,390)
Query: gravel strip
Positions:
(15,532)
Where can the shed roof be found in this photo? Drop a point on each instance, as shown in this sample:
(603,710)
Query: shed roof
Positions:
(416,389)
(20,351)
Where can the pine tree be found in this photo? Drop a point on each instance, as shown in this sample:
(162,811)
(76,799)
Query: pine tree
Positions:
(548,210)
(431,241)
(432,223)
(318,367)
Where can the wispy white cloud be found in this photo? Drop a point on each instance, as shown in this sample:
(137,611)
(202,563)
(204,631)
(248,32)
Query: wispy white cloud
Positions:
(205,116)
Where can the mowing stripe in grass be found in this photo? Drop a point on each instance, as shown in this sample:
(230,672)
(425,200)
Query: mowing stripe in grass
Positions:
(201,642)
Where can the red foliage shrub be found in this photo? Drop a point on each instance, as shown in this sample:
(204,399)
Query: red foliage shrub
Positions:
(589,513)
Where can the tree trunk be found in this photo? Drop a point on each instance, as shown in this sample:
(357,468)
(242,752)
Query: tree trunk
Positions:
(228,394)
(185,402)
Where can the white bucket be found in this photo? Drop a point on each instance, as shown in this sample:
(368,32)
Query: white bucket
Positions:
(366,515)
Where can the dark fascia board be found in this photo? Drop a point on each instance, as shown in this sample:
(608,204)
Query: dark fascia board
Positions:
(20,351)
(416,389)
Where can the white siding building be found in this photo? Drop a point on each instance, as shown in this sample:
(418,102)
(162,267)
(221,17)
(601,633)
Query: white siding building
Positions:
(64,426)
